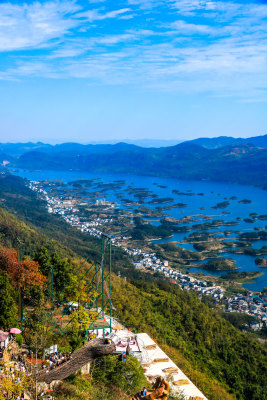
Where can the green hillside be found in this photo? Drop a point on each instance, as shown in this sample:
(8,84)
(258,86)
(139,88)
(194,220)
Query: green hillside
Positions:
(207,347)
(223,362)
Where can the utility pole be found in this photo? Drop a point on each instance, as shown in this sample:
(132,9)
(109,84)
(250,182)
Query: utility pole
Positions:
(35,369)
(20,290)
(31,361)
(52,279)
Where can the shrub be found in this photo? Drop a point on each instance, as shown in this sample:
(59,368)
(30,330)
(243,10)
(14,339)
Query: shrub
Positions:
(19,340)
(127,375)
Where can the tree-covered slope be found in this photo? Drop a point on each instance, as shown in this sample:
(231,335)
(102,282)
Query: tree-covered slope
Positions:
(222,141)
(210,350)
(245,164)
(30,222)
(223,362)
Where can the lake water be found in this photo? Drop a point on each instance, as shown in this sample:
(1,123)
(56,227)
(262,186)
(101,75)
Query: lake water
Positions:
(204,196)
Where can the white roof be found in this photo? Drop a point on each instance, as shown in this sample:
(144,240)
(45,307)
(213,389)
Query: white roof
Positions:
(187,390)
(155,369)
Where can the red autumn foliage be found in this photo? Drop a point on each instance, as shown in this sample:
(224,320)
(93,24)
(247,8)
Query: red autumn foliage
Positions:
(22,273)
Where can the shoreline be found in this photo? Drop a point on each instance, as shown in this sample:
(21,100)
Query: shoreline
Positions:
(171,238)
(150,240)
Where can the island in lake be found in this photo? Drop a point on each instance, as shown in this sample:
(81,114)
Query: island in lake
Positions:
(221,264)
(261,262)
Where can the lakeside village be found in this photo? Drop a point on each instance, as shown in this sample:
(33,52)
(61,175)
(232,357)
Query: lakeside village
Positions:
(252,304)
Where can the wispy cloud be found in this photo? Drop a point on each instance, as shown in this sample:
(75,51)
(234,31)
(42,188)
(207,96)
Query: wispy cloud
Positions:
(200,45)
(146,3)
(192,7)
(35,25)
(96,15)
(186,28)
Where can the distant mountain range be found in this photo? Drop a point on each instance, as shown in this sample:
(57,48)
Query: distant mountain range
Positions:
(144,142)
(222,141)
(220,159)
(15,150)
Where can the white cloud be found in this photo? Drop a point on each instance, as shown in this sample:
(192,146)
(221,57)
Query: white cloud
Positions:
(95,15)
(34,68)
(224,51)
(218,8)
(34,25)
(128,16)
(190,7)
(114,39)
(143,4)
(68,52)
(191,29)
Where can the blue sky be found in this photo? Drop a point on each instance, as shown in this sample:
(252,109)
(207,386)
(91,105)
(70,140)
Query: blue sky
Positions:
(97,70)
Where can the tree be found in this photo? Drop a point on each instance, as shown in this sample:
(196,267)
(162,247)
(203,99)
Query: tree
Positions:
(12,384)
(77,290)
(8,312)
(53,263)
(43,258)
(81,317)
(22,273)
(61,272)
(127,375)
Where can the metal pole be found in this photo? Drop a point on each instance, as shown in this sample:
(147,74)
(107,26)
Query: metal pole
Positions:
(20,290)
(31,362)
(36,368)
(52,279)
(96,284)
(21,305)
(110,302)
(102,278)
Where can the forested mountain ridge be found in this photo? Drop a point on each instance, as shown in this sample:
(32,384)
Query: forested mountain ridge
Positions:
(223,159)
(243,164)
(223,362)
(222,141)
(17,149)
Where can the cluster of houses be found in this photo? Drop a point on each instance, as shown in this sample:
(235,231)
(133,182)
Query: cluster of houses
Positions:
(252,305)
(150,262)
(68,210)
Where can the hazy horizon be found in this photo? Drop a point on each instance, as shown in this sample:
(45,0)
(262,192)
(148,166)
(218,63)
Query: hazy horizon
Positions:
(143,142)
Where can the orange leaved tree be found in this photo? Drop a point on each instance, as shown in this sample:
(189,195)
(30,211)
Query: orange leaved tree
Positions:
(22,273)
